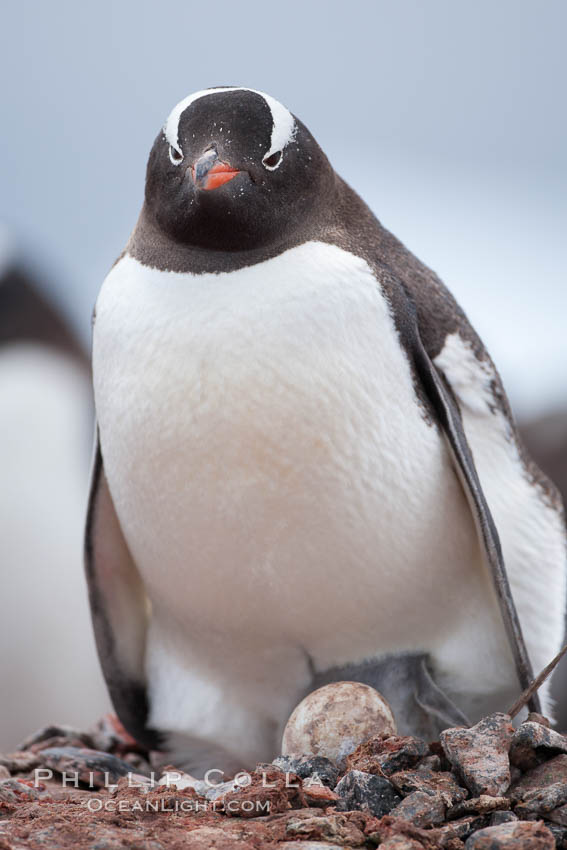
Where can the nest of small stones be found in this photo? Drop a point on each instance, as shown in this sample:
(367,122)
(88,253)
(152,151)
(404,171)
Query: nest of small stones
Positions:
(488,786)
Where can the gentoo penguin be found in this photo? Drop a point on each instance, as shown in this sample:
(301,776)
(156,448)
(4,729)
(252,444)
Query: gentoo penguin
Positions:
(306,458)
(50,673)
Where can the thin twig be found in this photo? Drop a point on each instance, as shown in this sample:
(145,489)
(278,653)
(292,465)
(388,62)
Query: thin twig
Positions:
(536,684)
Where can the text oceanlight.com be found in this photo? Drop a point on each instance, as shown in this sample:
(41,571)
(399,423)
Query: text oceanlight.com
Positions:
(96,804)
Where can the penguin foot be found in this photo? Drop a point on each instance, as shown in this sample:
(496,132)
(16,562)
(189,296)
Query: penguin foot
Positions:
(421,708)
(198,757)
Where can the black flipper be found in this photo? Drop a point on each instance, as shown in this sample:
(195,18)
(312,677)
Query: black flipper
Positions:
(449,418)
(119,610)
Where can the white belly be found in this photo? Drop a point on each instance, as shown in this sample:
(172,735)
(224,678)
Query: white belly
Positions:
(269,463)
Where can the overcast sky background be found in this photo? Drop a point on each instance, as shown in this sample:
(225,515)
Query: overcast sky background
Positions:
(447,117)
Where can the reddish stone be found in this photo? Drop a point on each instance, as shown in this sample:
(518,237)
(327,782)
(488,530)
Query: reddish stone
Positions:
(549,773)
(532,743)
(425,779)
(338,829)
(558,816)
(270,791)
(109,734)
(445,838)
(307,845)
(521,835)
(385,756)
(19,762)
(478,805)
(540,801)
(479,755)
(401,842)
(422,808)
(319,795)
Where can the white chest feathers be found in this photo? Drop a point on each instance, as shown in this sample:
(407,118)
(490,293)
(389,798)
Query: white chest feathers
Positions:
(267,455)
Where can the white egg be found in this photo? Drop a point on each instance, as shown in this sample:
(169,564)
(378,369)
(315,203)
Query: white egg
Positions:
(333,720)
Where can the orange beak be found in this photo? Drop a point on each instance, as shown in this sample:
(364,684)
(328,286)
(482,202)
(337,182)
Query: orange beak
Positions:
(209,172)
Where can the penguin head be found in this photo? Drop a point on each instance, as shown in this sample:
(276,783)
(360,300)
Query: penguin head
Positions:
(232,170)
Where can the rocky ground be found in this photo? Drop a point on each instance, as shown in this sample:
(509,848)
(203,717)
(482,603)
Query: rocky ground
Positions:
(489,786)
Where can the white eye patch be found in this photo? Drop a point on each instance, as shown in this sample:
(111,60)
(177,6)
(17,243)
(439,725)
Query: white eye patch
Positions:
(175,156)
(271,161)
(283,126)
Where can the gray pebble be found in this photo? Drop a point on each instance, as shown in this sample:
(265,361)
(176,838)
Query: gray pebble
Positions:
(310,767)
(366,792)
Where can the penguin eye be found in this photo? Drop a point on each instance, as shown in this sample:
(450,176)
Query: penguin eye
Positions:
(273,160)
(175,156)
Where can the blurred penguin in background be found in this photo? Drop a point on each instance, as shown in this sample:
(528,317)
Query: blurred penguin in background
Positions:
(49,672)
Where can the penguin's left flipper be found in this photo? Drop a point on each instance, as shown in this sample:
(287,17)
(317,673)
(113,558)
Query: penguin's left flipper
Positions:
(447,414)
(119,610)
